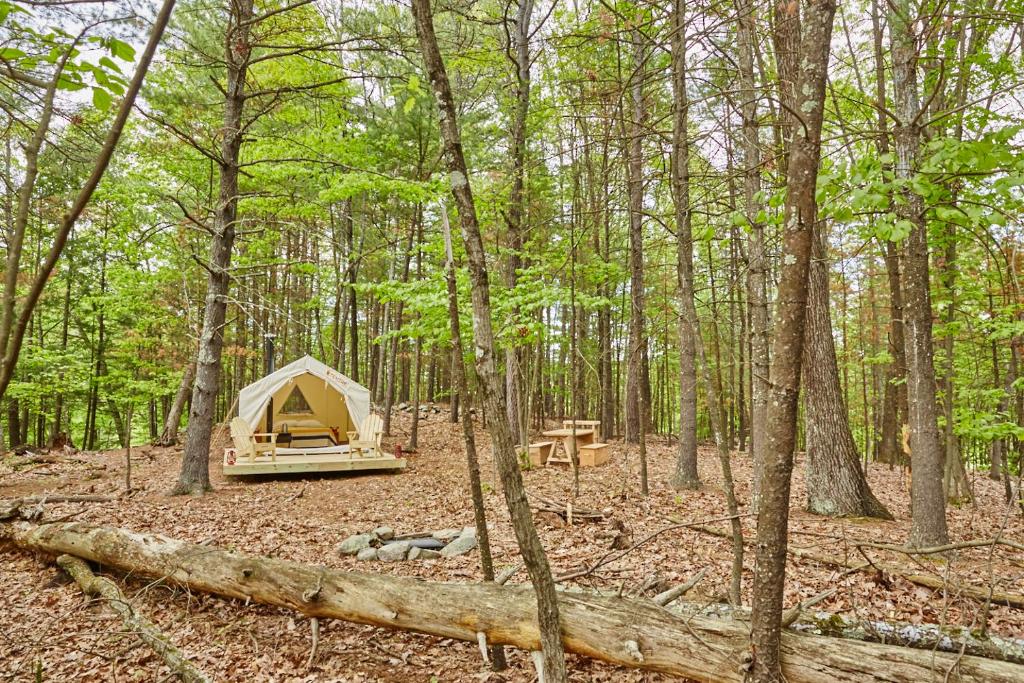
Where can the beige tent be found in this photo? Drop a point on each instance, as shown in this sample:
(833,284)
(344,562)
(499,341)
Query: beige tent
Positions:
(309,409)
(304,396)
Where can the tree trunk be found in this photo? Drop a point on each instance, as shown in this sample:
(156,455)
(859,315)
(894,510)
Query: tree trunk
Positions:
(635,182)
(392,364)
(757,289)
(519,36)
(954,479)
(169,436)
(631,633)
(685,475)
(836,485)
(461,386)
(895,398)
(194,476)
(501,437)
(803,67)
(927,454)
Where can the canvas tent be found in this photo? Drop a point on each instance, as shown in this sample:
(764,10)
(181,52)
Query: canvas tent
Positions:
(304,394)
(307,410)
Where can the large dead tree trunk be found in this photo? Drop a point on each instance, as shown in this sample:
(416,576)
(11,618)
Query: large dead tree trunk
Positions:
(628,633)
(553,660)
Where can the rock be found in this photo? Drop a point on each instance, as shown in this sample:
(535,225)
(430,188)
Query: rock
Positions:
(367,554)
(460,546)
(414,552)
(393,552)
(447,535)
(427,543)
(469,531)
(353,544)
(426,554)
(384,533)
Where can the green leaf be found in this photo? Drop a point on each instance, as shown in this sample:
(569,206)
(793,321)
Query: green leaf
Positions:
(108,63)
(101,99)
(122,50)
(11,53)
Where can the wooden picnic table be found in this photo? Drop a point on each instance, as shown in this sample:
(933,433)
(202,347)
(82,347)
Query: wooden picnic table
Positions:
(564,438)
(587,424)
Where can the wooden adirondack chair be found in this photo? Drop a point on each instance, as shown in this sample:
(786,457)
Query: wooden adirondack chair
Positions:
(367,439)
(246,443)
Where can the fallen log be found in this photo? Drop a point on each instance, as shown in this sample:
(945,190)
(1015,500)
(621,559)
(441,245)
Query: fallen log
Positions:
(952,639)
(979,593)
(17,508)
(630,633)
(147,632)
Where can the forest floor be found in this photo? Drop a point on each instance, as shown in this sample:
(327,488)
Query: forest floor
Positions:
(47,633)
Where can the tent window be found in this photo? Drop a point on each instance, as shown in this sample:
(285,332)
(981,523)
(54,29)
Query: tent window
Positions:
(296,403)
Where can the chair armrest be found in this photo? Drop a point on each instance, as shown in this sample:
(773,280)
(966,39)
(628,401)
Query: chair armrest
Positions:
(272,435)
(352,436)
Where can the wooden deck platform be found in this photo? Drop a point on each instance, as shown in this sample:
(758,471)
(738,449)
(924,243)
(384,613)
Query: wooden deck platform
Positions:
(295,464)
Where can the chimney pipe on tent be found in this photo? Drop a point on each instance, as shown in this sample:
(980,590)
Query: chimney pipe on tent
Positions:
(268,349)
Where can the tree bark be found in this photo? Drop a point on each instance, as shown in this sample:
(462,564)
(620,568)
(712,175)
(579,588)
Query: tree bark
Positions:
(927,453)
(836,485)
(461,386)
(490,382)
(169,436)
(631,633)
(520,53)
(803,55)
(194,476)
(685,475)
(757,288)
(635,415)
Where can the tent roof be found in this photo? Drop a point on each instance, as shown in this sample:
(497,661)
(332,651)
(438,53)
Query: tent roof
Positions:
(252,400)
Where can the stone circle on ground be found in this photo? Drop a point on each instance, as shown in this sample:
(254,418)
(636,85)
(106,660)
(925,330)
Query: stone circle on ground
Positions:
(384,545)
